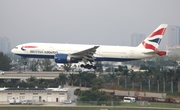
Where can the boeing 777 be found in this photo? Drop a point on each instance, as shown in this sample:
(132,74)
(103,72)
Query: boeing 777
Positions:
(74,53)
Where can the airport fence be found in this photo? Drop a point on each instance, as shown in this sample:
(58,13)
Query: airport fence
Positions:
(98,103)
(136,104)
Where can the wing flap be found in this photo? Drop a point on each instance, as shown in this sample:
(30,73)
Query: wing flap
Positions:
(87,51)
(86,55)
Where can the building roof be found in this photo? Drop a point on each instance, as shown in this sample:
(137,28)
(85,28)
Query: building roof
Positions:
(58,89)
(51,89)
(25,89)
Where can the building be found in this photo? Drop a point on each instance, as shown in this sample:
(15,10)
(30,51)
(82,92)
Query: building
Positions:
(173,50)
(34,95)
(173,36)
(136,39)
(178,35)
(5,45)
(173,40)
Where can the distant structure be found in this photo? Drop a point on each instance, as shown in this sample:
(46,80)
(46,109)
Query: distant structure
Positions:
(173,40)
(173,50)
(173,35)
(5,44)
(136,39)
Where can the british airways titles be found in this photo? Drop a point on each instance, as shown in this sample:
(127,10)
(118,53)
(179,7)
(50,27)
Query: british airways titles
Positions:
(41,51)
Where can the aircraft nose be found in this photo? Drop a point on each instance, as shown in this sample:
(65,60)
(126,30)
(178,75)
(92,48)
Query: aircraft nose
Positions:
(12,50)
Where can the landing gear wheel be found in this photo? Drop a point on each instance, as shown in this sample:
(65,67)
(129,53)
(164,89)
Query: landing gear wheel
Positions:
(88,66)
(94,67)
(83,66)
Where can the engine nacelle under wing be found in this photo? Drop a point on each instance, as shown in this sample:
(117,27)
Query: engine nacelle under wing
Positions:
(64,58)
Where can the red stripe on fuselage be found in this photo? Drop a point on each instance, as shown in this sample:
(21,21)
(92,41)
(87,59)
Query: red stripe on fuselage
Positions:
(29,46)
(158,32)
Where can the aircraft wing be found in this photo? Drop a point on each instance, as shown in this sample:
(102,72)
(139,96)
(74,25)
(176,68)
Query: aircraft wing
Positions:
(86,55)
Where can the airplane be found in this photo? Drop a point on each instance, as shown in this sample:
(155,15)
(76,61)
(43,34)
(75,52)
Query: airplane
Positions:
(88,54)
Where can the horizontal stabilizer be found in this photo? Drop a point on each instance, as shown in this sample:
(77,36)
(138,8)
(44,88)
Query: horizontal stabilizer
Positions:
(160,53)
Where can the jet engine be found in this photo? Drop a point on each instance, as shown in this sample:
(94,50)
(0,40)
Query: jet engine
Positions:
(64,58)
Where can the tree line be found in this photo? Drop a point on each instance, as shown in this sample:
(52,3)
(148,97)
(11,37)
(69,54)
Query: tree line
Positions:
(5,62)
(161,74)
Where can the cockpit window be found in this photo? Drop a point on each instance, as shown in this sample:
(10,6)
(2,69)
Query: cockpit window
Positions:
(16,47)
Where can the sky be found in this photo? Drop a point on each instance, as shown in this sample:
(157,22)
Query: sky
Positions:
(102,22)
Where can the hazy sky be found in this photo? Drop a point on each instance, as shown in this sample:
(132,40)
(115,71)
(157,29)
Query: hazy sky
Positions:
(84,21)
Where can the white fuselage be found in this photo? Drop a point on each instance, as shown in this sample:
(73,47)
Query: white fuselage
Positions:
(73,53)
(103,52)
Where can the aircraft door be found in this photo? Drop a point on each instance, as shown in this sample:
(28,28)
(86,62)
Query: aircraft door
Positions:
(51,48)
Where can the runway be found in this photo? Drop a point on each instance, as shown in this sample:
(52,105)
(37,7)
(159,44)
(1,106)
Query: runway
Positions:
(74,107)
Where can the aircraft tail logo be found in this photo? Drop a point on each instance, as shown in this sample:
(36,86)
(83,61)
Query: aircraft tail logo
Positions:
(153,40)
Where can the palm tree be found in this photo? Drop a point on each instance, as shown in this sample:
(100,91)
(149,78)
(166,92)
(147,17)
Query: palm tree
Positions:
(34,65)
(112,77)
(118,75)
(4,62)
(149,75)
(67,66)
(62,78)
(120,68)
(178,78)
(31,79)
(171,73)
(72,79)
(125,73)
(80,78)
(99,66)
(119,71)
(97,83)
(85,77)
(133,76)
(47,64)
(157,77)
(140,77)
(164,77)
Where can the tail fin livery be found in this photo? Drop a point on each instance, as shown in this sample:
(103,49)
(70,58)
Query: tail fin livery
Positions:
(153,40)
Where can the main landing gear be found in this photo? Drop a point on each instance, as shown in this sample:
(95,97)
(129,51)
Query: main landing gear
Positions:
(88,66)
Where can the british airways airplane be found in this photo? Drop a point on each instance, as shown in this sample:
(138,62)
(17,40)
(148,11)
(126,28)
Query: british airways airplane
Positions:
(74,53)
